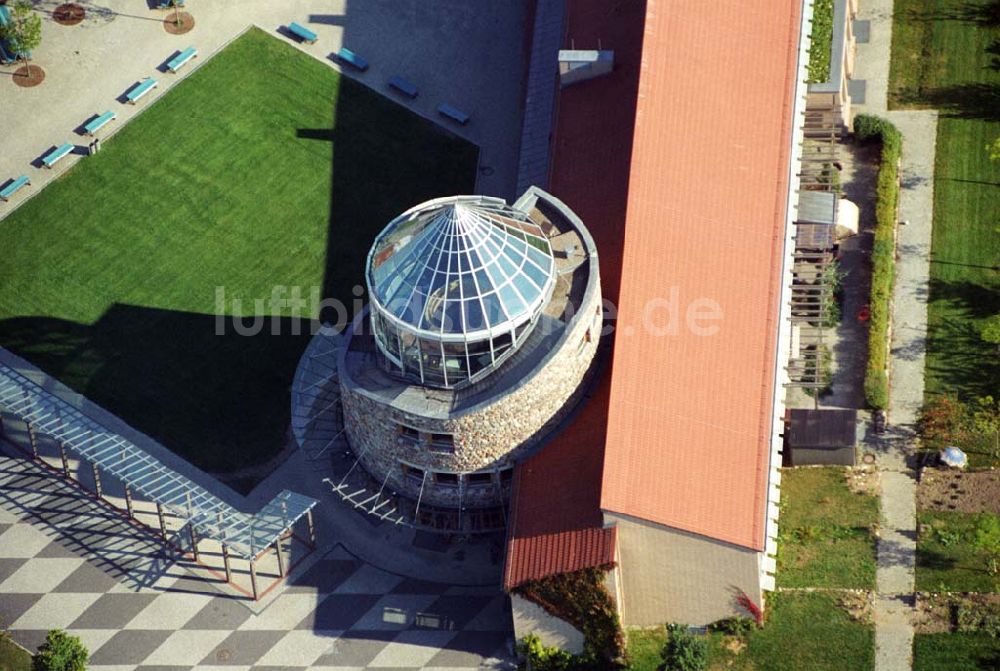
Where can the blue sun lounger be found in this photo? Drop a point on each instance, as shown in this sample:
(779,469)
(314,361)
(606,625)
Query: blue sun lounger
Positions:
(139,91)
(453,113)
(178,61)
(352,59)
(100,122)
(57,155)
(403,86)
(13,187)
(302,33)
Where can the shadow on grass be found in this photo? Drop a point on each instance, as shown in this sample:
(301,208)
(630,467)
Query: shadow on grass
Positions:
(961,101)
(986,14)
(219,401)
(935,561)
(959,357)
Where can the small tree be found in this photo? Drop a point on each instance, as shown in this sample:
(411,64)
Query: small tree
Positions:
(684,651)
(24,31)
(993,149)
(61,652)
(990,331)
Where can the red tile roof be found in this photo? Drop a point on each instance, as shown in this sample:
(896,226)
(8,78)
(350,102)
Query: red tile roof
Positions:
(681,177)
(689,423)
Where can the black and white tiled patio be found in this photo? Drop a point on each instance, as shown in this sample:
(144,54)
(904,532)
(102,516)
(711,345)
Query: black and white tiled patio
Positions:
(68,561)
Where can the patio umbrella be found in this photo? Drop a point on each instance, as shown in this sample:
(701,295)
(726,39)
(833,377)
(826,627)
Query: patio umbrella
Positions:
(954,457)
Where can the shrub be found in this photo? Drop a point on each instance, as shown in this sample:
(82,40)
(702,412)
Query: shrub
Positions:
(61,652)
(977,618)
(542,658)
(684,651)
(988,533)
(821,41)
(734,626)
(869,127)
(581,599)
(877,389)
(973,426)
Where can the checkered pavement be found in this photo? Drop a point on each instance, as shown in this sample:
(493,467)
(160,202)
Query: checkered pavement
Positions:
(68,561)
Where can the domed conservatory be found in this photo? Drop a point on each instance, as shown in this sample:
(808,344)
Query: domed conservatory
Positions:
(483,322)
(455,285)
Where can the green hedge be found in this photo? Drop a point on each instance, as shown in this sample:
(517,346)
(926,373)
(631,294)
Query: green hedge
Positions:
(873,128)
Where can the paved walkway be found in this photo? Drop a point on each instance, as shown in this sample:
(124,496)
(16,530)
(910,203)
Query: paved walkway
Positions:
(897,545)
(468,55)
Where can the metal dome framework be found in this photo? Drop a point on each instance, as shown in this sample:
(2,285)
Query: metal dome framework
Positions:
(456,284)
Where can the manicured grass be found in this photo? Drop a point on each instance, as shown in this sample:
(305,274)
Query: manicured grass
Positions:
(264,168)
(13,657)
(803,631)
(644,648)
(946,55)
(947,558)
(826,537)
(955,652)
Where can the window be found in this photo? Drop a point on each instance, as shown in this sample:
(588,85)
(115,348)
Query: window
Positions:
(479,479)
(413,472)
(442,442)
(447,479)
(407,434)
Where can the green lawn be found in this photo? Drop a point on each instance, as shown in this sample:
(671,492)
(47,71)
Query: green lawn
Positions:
(946,55)
(13,657)
(947,559)
(264,168)
(803,631)
(826,537)
(955,652)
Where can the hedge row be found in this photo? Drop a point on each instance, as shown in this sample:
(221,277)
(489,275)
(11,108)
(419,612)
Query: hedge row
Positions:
(868,127)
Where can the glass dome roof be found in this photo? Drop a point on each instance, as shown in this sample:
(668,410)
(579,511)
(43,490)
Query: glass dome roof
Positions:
(461,268)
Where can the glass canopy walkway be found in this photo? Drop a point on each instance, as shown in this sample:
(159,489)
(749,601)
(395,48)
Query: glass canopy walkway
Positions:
(206,515)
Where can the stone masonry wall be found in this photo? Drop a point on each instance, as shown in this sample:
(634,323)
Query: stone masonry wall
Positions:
(487,437)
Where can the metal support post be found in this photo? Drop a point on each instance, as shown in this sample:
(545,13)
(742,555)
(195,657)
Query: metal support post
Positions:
(97,480)
(163,522)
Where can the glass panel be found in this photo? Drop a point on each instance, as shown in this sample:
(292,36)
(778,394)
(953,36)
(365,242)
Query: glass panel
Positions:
(515,306)
(453,317)
(410,354)
(474,317)
(501,344)
(494,313)
(480,357)
(433,365)
(535,273)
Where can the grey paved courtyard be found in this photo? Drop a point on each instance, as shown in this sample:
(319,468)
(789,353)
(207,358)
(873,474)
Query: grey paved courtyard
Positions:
(69,561)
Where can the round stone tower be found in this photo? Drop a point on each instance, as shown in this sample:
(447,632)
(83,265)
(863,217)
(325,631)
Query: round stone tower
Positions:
(484,319)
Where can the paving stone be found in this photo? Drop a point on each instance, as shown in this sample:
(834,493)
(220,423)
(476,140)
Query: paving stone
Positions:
(113,611)
(129,647)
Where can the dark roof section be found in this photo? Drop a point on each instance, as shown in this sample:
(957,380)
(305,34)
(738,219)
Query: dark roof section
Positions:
(822,428)
(556,521)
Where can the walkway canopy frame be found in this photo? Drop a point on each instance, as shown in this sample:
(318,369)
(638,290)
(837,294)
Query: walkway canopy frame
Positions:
(244,534)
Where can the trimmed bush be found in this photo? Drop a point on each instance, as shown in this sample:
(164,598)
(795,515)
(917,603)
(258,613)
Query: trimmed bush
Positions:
(684,651)
(61,652)
(883,259)
(542,658)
